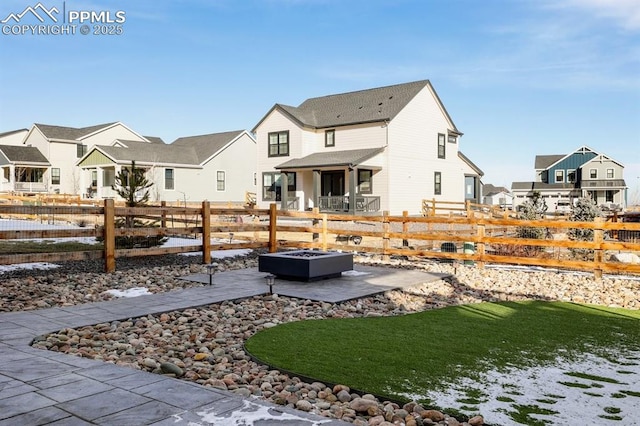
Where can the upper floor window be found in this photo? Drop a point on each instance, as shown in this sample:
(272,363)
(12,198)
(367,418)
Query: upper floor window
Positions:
(81,150)
(168,179)
(441,146)
(571,176)
(364,181)
(559,176)
(609,173)
(330,138)
(593,173)
(220,180)
(279,144)
(452,138)
(437,183)
(55,176)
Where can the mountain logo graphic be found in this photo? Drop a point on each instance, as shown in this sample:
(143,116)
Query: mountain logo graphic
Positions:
(43,11)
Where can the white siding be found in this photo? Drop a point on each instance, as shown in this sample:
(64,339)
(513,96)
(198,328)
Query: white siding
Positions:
(107,136)
(14,138)
(413,156)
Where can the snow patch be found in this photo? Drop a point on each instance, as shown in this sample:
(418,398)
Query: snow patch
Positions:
(251,414)
(131,292)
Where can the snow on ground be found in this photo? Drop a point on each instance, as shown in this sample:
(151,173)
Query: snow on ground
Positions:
(131,292)
(612,388)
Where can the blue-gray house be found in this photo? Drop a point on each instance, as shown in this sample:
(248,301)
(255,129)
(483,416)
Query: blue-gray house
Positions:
(582,173)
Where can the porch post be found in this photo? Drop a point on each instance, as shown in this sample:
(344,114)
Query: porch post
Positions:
(284,187)
(316,188)
(352,190)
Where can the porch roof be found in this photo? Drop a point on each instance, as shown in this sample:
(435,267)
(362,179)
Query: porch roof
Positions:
(24,154)
(350,158)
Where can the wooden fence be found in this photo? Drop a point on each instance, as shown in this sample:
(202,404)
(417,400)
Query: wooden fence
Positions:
(472,239)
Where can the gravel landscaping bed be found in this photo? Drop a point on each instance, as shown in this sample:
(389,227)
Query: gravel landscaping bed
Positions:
(205,345)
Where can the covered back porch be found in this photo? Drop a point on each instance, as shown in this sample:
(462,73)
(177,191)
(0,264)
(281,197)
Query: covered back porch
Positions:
(335,181)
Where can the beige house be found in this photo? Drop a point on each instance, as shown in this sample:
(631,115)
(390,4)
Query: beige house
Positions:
(218,167)
(63,146)
(13,137)
(382,149)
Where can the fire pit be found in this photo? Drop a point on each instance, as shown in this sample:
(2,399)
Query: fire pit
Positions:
(305,265)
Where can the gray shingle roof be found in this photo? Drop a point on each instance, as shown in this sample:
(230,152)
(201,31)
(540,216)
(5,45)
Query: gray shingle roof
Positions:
(24,154)
(154,139)
(537,186)
(205,146)
(11,132)
(331,158)
(544,161)
(363,106)
(382,103)
(148,153)
(489,189)
(68,133)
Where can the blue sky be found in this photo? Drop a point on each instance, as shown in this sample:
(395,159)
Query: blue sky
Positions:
(518,77)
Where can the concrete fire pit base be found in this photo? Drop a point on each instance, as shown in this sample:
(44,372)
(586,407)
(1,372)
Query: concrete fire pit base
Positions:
(305,265)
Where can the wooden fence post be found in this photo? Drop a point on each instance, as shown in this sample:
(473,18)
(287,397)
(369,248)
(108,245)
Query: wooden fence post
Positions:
(163,220)
(385,236)
(206,232)
(314,223)
(598,238)
(433,207)
(325,237)
(273,223)
(405,229)
(480,245)
(109,236)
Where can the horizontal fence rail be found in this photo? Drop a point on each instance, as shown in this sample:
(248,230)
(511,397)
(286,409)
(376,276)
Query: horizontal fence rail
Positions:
(476,239)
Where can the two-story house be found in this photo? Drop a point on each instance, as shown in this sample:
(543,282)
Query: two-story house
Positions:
(63,146)
(361,152)
(582,173)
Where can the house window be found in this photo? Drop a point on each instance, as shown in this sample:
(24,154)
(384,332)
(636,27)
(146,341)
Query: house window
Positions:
(364,181)
(81,150)
(452,138)
(108,177)
(571,176)
(593,173)
(469,187)
(220,180)
(559,176)
(437,183)
(55,176)
(94,178)
(279,144)
(441,146)
(330,138)
(271,185)
(609,173)
(169,180)
(609,196)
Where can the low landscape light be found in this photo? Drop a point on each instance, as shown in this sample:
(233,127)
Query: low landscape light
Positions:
(211,270)
(270,280)
(230,237)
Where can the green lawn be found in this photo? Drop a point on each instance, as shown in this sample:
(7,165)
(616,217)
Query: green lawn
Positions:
(393,356)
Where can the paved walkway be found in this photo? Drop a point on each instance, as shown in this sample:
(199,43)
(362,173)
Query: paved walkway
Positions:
(40,387)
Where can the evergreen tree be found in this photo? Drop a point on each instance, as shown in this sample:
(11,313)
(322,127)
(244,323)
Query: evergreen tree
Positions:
(132,185)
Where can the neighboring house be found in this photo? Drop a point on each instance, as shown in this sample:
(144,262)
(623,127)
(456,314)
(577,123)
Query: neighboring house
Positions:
(582,173)
(63,146)
(497,196)
(13,137)
(22,169)
(216,167)
(374,150)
